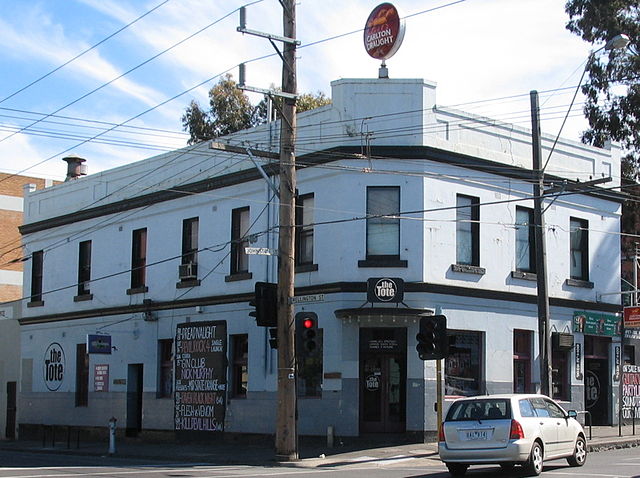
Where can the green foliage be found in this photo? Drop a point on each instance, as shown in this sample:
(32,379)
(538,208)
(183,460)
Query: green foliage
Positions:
(613,87)
(230,110)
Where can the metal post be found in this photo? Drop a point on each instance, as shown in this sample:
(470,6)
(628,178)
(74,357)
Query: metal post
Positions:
(634,296)
(112,435)
(439,394)
(541,254)
(286,427)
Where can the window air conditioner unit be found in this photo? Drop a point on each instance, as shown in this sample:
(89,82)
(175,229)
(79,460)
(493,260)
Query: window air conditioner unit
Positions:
(188,271)
(561,341)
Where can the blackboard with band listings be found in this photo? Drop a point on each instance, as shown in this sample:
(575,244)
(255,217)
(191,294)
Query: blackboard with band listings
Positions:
(200,378)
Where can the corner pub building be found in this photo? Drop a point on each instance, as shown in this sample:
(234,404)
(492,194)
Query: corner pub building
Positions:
(140,283)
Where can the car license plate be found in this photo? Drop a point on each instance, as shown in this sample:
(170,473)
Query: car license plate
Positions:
(477,435)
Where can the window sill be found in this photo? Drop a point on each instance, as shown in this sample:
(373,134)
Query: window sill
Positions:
(35,303)
(238,276)
(467,269)
(579,283)
(532,276)
(186,284)
(83,297)
(137,290)
(383,262)
(306,268)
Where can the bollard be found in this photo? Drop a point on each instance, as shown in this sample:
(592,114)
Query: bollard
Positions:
(112,435)
(330,436)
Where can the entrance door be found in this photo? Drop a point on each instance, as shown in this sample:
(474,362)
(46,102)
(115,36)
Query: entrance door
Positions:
(383,378)
(10,432)
(596,390)
(134,400)
(597,385)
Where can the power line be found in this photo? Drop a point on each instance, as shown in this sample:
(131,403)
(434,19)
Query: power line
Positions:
(82,53)
(130,70)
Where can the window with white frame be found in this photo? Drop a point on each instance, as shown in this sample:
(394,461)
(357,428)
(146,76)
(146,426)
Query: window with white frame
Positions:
(239,240)
(525,240)
(579,249)
(304,229)
(467,230)
(383,222)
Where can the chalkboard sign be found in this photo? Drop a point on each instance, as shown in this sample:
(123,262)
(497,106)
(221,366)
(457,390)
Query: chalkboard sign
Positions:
(201,378)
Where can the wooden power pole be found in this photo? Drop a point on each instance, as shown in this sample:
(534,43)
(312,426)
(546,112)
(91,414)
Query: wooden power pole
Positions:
(286,428)
(541,253)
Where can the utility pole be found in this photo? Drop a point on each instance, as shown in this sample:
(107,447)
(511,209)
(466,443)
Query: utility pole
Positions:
(286,428)
(541,253)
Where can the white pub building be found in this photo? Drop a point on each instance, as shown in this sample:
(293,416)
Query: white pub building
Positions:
(139,281)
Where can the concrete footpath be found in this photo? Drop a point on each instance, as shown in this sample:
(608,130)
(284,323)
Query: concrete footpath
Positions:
(313,451)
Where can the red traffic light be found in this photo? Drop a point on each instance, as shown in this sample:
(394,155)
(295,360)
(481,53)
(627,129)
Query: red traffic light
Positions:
(308,323)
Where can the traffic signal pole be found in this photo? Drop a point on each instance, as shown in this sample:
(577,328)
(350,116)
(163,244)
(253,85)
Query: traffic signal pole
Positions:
(286,427)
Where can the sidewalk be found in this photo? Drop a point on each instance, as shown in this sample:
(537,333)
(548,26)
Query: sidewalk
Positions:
(313,451)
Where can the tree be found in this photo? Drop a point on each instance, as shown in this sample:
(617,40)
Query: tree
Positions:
(230,110)
(611,114)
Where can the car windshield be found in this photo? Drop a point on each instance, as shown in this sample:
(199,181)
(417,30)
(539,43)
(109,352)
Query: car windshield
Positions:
(484,409)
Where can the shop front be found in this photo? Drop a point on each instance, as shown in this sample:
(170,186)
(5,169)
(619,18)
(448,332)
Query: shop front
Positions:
(602,361)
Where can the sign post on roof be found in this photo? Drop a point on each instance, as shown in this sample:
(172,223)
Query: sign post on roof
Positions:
(383,32)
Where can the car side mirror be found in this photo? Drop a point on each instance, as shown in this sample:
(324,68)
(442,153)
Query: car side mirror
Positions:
(572,414)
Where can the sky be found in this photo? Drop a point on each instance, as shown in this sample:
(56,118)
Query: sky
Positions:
(122,101)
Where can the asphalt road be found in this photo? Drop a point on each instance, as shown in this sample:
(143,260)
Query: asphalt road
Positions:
(610,464)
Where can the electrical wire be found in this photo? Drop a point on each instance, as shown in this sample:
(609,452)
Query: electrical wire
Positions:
(82,53)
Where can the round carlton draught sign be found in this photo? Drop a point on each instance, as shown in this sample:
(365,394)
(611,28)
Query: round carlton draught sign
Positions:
(383,32)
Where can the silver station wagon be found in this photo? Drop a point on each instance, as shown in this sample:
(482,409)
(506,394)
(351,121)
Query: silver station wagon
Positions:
(509,430)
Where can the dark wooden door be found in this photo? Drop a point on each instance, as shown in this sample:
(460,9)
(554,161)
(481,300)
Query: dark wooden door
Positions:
(383,378)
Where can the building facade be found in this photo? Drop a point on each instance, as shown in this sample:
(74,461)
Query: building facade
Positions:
(140,280)
(12,190)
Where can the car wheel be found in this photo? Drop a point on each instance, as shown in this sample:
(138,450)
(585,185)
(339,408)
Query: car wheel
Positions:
(456,469)
(533,466)
(579,456)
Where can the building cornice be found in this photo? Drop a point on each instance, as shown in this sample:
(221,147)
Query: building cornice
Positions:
(330,288)
(321,157)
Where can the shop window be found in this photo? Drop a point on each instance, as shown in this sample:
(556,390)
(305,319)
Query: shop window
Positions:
(138,260)
(304,230)
(82,375)
(37,260)
(579,249)
(560,386)
(525,240)
(84,268)
(165,368)
(383,223)
(467,230)
(239,365)
(463,365)
(239,240)
(522,361)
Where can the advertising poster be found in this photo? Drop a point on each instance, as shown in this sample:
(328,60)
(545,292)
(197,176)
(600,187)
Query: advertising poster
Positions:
(200,378)
(630,392)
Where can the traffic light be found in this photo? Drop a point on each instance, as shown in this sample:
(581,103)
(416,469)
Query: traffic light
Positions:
(433,343)
(265,301)
(308,331)
(273,337)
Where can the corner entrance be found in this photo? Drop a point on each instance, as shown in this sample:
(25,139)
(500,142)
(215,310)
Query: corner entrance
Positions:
(383,378)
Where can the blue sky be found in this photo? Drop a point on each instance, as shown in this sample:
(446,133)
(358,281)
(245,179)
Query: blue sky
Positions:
(474,49)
